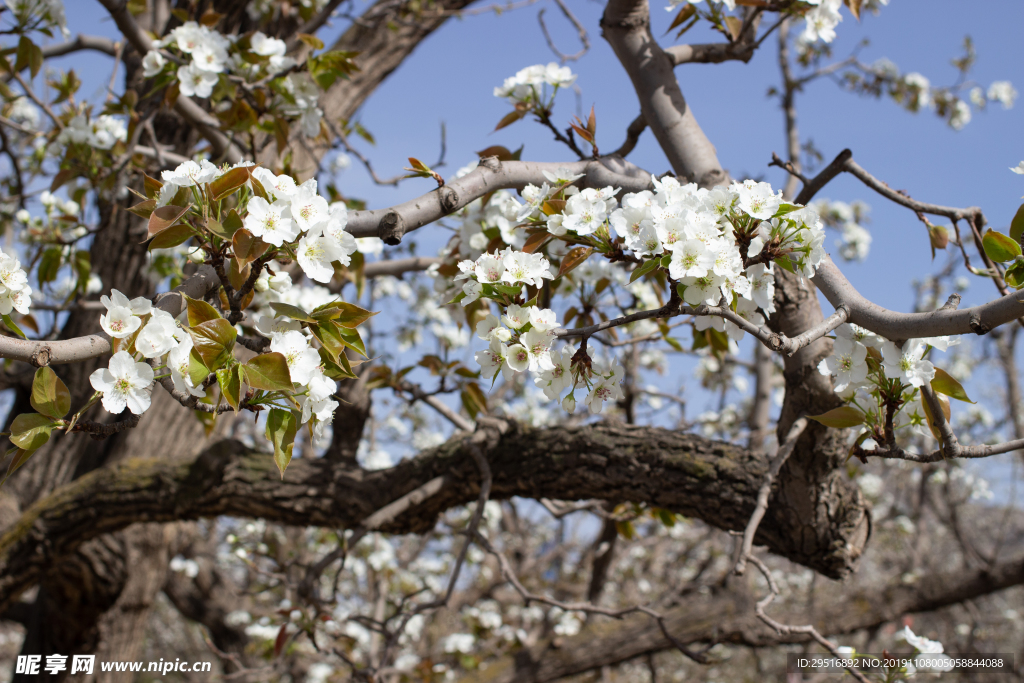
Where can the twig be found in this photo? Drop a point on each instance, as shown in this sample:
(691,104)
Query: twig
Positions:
(766,488)
(581,32)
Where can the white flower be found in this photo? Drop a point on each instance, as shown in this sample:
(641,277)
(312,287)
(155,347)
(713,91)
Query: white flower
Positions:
(158,336)
(559,376)
(315,253)
(569,404)
(307,207)
(194,81)
(492,359)
(459,642)
(758,200)
(19,300)
(859,334)
(822,21)
(177,363)
(123,317)
(490,328)
(605,389)
(323,409)
(152,64)
(334,228)
(847,363)
(280,282)
(516,316)
(584,212)
(522,267)
(855,243)
(691,258)
(1018,169)
(1003,92)
(562,176)
(762,286)
(518,357)
(302,360)
(537,344)
(543,319)
(472,289)
(488,268)
(270,221)
(268,325)
(189,173)
(906,365)
(124,383)
(280,186)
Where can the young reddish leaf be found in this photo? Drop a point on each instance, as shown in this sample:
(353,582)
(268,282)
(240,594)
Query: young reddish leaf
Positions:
(152,186)
(293,312)
(199,311)
(509,119)
(575,257)
(238,277)
(269,372)
(930,417)
(854,6)
(21,456)
(311,40)
(165,217)
(944,383)
(172,237)
(685,13)
(246,246)
(143,209)
(229,182)
(213,341)
(840,418)
(210,18)
(536,241)
(50,396)
(496,151)
(62,177)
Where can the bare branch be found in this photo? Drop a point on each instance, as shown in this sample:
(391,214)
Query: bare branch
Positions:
(580,31)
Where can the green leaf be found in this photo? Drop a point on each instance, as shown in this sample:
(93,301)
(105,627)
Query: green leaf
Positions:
(50,396)
(143,209)
(510,118)
(293,312)
(999,247)
(474,400)
(509,290)
(311,40)
(165,217)
(230,386)
(785,263)
(213,341)
(281,428)
(784,209)
(31,430)
(229,182)
(645,267)
(268,372)
(152,186)
(1014,275)
(944,383)
(197,370)
(351,339)
(335,370)
(840,418)
(330,336)
(1017,225)
(29,55)
(49,265)
(12,327)
(344,314)
(200,311)
(21,456)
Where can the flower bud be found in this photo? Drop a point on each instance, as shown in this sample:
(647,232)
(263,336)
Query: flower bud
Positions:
(23,216)
(262,283)
(197,256)
(281,282)
(569,404)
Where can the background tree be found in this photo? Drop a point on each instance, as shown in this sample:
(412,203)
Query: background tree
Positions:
(524,540)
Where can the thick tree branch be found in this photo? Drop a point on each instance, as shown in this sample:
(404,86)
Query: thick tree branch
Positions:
(393,223)
(688,474)
(626,25)
(41,353)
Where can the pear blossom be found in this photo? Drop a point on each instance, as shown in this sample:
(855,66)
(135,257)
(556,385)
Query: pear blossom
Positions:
(847,363)
(124,383)
(757,199)
(307,207)
(762,286)
(302,360)
(190,173)
(268,325)
(569,404)
(153,63)
(859,334)
(555,379)
(280,186)
(516,316)
(177,363)
(123,316)
(18,300)
(906,364)
(334,227)
(492,359)
(537,343)
(490,328)
(489,268)
(195,81)
(159,336)
(472,289)
(531,269)
(315,253)
(605,388)
(517,357)
(271,222)
(543,319)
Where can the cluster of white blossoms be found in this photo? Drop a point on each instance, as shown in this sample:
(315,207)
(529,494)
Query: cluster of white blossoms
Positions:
(507,267)
(529,85)
(102,132)
(299,210)
(208,50)
(305,367)
(855,240)
(15,294)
